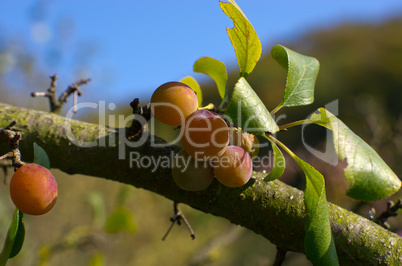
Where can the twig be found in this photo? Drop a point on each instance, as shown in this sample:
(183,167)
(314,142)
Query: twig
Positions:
(14,137)
(392,209)
(71,89)
(8,155)
(136,128)
(11,125)
(167,232)
(51,94)
(144,111)
(177,217)
(57,104)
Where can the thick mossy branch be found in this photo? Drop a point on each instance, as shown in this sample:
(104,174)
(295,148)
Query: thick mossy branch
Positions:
(274,209)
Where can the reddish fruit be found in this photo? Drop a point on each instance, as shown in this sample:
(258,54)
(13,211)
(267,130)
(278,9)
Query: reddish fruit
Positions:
(234,167)
(204,135)
(33,189)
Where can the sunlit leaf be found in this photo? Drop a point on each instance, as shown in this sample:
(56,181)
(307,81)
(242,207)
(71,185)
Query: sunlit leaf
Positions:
(370,177)
(279,164)
(216,70)
(247,111)
(15,238)
(301,77)
(121,219)
(244,39)
(192,83)
(319,244)
(40,156)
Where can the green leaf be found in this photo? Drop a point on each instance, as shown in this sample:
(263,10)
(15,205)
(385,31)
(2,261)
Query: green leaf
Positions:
(40,156)
(302,74)
(247,111)
(121,219)
(216,70)
(19,238)
(319,244)
(370,177)
(15,238)
(192,83)
(279,164)
(244,39)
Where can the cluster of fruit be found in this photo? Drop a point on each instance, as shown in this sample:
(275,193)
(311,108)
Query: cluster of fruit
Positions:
(33,189)
(208,143)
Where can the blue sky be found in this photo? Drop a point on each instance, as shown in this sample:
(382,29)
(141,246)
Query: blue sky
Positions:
(129,48)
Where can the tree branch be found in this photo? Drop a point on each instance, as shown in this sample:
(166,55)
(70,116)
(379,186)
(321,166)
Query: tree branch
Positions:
(274,209)
(56,105)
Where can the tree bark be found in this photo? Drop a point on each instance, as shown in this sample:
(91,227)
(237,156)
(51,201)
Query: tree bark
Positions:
(272,209)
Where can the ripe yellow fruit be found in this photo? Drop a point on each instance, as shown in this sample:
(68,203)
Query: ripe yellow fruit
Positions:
(173,102)
(33,189)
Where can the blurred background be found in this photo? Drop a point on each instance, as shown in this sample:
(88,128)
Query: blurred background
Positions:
(128,48)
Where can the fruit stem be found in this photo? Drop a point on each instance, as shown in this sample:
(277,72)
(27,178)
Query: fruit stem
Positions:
(209,106)
(276,109)
(296,123)
(283,146)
